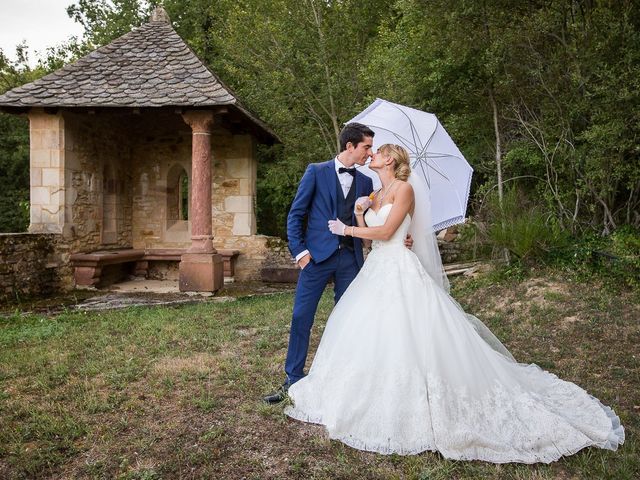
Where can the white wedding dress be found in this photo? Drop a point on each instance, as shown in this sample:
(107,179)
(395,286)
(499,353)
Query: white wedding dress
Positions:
(401,368)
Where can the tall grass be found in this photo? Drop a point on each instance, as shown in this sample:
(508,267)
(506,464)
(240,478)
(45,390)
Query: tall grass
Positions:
(521,225)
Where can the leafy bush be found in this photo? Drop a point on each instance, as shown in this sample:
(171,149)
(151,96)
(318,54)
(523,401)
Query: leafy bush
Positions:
(615,258)
(521,226)
(14,173)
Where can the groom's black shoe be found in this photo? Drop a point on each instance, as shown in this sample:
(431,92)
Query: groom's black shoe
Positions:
(277,396)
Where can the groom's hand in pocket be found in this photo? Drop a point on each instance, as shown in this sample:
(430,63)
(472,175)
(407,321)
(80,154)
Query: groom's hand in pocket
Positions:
(408,242)
(304,261)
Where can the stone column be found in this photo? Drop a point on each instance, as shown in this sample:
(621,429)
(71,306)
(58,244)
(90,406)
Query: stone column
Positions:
(201,268)
(47,166)
(241,167)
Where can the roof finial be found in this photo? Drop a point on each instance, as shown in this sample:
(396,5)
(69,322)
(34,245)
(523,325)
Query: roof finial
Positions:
(159,14)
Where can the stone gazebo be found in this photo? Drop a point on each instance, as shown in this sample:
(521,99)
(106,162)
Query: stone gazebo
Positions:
(142,160)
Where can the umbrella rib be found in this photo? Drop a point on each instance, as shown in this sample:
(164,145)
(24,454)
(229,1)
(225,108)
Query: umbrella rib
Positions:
(424,149)
(438,155)
(401,139)
(439,172)
(414,133)
(441,155)
(427,179)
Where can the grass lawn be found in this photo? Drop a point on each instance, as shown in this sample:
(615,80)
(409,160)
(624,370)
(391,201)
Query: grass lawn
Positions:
(146,393)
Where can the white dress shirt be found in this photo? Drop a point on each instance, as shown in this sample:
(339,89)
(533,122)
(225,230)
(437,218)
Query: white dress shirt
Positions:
(345,179)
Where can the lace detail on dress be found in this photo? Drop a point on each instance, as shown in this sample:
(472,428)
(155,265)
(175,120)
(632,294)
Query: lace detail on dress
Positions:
(500,425)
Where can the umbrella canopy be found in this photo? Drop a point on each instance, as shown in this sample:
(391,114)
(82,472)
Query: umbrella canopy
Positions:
(433,155)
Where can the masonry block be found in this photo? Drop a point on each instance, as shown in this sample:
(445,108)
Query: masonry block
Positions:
(238,204)
(243,224)
(52,176)
(40,196)
(35,176)
(40,158)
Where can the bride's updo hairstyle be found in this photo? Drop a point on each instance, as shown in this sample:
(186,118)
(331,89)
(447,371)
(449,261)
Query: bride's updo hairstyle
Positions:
(401,156)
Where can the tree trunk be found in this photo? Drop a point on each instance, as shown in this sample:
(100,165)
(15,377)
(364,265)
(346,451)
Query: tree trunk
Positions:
(327,74)
(496,129)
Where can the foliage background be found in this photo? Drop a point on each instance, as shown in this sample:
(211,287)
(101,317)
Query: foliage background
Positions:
(541,96)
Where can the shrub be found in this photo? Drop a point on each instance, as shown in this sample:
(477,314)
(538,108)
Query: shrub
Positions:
(614,258)
(521,226)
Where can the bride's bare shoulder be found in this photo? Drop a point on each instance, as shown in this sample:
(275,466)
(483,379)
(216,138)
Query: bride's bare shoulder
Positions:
(403,193)
(404,187)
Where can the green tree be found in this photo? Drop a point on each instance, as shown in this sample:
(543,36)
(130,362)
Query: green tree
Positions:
(298,65)
(576,81)
(545,92)
(542,92)
(106,20)
(14,148)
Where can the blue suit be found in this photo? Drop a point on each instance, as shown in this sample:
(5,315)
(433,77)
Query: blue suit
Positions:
(317,201)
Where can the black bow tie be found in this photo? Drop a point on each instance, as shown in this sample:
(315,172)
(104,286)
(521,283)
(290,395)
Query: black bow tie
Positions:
(352,171)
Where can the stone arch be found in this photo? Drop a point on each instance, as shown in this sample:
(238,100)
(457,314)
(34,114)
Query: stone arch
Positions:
(178,197)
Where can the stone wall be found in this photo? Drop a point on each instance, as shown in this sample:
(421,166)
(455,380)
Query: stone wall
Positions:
(161,151)
(256,253)
(109,180)
(234,186)
(33,264)
(449,251)
(98,211)
(80,186)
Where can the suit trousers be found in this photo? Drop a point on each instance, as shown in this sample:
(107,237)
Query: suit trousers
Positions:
(343,268)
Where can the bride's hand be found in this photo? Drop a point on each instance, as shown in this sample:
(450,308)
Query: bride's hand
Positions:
(336,227)
(361,205)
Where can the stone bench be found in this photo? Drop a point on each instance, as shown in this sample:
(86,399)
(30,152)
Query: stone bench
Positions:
(229,258)
(89,268)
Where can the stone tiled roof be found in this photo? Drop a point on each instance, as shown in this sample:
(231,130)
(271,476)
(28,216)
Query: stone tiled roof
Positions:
(151,66)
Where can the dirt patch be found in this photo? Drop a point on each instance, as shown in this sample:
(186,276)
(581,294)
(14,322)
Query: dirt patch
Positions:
(198,363)
(543,293)
(567,322)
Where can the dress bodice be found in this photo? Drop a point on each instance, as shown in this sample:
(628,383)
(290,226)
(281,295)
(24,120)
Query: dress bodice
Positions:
(376,219)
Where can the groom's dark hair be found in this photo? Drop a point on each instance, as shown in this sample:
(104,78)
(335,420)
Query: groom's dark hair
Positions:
(354,133)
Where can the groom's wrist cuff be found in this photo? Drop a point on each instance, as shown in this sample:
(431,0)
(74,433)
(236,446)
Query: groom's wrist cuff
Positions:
(301,254)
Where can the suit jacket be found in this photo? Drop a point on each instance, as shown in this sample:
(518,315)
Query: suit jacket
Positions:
(316,199)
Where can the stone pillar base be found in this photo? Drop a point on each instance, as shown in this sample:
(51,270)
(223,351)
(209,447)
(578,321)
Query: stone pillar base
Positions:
(87,276)
(201,272)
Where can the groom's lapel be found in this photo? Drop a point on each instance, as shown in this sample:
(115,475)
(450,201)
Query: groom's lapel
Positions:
(359,184)
(330,174)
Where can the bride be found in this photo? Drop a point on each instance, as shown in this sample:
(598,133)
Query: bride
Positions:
(401,368)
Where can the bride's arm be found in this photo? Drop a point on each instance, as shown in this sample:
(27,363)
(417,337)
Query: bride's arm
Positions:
(361,223)
(402,204)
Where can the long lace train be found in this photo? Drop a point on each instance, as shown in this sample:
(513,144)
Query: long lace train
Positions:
(401,368)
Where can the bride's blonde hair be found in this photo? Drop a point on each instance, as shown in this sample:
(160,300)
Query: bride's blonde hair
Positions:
(402,169)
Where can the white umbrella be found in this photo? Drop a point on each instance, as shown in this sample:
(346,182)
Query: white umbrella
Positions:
(433,155)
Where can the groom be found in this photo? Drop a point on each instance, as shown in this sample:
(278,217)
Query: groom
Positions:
(327,191)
